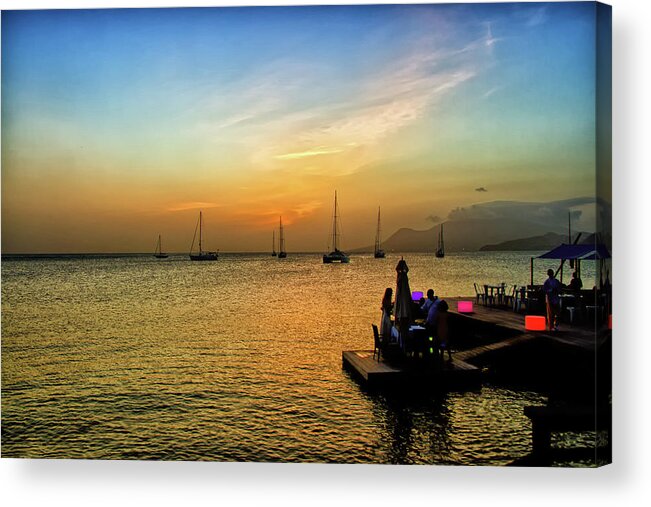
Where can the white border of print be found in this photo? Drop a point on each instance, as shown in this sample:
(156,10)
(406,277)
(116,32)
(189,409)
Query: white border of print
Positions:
(626,482)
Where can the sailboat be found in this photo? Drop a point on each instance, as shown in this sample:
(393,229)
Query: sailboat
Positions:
(273,244)
(158,253)
(336,255)
(440,251)
(281,241)
(379,253)
(201,255)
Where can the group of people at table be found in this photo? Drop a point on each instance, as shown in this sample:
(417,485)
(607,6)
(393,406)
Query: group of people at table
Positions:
(429,325)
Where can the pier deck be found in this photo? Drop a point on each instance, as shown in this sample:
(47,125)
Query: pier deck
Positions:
(568,335)
(476,352)
(373,373)
(493,332)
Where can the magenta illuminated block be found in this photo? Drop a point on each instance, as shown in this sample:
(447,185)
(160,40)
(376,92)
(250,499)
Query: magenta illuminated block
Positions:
(464,307)
(416,295)
(535,323)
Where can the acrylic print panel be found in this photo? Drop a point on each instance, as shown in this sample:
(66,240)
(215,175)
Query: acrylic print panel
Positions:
(208,212)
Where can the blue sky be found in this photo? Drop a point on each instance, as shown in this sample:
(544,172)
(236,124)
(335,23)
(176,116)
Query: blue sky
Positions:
(256,112)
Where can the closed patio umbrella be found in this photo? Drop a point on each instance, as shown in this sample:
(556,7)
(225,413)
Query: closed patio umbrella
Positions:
(402,307)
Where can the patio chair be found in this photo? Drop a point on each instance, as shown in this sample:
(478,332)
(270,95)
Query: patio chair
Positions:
(479,294)
(520,300)
(509,299)
(377,342)
(489,298)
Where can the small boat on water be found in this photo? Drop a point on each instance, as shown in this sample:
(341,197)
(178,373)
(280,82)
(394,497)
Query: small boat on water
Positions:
(281,241)
(379,253)
(273,244)
(201,255)
(158,253)
(440,251)
(336,255)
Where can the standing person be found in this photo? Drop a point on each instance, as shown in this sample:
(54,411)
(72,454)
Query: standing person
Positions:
(387,308)
(442,332)
(552,289)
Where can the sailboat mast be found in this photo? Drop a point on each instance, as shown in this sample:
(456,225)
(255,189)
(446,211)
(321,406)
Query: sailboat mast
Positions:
(441,246)
(334,225)
(200,222)
(160,247)
(377,235)
(281,245)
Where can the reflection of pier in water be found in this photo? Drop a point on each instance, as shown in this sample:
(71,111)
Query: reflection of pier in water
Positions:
(415,427)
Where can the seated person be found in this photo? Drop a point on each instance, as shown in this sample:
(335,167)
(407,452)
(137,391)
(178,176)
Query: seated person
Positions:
(430,321)
(431,299)
(575,284)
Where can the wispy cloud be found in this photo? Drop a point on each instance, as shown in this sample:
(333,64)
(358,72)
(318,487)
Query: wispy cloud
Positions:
(491,91)
(307,208)
(537,16)
(387,102)
(283,114)
(321,150)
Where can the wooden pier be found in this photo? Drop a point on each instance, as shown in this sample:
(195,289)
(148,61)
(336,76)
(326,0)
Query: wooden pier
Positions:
(455,374)
(572,365)
(488,335)
(512,323)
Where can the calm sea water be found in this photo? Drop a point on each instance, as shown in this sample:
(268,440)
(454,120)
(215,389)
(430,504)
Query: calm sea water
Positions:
(137,358)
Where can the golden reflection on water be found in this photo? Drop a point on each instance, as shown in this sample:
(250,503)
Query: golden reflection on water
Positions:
(240,359)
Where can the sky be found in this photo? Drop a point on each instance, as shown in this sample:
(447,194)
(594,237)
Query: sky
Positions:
(122,124)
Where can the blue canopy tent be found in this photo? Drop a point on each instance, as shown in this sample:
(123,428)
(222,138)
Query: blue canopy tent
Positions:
(581,252)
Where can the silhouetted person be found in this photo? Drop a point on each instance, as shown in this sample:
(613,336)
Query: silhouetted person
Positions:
(387,308)
(431,321)
(606,286)
(575,284)
(552,290)
(442,332)
(431,299)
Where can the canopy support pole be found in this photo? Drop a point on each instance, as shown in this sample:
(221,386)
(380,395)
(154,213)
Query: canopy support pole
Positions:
(532,271)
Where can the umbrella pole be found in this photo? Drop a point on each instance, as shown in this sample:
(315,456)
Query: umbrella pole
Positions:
(531,272)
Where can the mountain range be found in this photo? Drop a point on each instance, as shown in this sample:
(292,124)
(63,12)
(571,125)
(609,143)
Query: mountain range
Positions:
(504,225)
